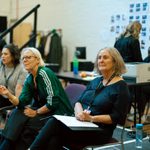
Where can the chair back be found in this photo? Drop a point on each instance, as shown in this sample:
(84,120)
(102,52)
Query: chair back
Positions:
(74,91)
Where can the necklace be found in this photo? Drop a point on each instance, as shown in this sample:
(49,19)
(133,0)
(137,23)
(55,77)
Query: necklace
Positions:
(111,77)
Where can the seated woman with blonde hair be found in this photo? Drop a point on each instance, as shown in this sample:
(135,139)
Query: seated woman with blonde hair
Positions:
(42,96)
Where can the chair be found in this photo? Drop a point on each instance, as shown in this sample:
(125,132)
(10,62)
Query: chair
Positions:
(74,91)
(5,112)
(111,142)
(5,108)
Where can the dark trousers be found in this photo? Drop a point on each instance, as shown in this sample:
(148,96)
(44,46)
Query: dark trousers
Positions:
(55,134)
(143,98)
(21,130)
(3,103)
(146,97)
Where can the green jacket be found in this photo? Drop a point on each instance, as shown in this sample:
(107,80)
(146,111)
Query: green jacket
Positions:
(49,90)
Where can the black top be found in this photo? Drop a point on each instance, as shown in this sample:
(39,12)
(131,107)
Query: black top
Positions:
(147,59)
(129,48)
(112,99)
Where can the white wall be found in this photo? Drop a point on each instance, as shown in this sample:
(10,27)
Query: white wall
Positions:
(83,22)
(5,8)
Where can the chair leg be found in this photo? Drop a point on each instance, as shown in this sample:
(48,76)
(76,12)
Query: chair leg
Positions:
(122,133)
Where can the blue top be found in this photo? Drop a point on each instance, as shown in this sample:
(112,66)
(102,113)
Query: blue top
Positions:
(112,99)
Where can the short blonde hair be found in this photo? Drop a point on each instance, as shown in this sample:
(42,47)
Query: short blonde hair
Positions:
(119,65)
(35,53)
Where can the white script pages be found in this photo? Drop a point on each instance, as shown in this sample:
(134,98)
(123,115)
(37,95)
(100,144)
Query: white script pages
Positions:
(75,124)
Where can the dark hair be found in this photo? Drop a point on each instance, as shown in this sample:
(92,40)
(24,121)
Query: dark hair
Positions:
(15,53)
(2,44)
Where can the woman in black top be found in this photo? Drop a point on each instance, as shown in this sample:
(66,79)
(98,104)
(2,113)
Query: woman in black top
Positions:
(128,43)
(104,102)
(147,59)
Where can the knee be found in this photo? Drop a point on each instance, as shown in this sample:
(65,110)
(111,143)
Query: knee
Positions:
(52,121)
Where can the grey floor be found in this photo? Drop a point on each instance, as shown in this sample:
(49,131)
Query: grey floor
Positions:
(129,142)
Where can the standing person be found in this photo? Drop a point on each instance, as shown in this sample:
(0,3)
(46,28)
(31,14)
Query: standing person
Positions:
(12,74)
(104,102)
(42,95)
(147,59)
(128,43)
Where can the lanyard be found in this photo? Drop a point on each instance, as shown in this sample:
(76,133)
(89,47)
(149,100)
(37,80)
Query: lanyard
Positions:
(7,78)
(99,88)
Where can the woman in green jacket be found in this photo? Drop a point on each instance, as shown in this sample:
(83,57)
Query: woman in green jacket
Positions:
(42,96)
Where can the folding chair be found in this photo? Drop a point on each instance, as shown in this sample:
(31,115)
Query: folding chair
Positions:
(73,92)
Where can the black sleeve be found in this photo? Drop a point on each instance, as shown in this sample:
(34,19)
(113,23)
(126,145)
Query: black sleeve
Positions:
(136,52)
(120,107)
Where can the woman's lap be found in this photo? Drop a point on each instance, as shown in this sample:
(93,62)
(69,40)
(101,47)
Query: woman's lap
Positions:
(54,129)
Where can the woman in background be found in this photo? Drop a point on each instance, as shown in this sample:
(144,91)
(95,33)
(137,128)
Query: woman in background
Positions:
(104,102)
(42,95)
(147,59)
(128,43)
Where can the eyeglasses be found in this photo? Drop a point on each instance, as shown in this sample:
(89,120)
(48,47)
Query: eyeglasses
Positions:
(27,57)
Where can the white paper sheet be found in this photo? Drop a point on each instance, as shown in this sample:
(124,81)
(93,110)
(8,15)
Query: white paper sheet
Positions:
(73,122)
